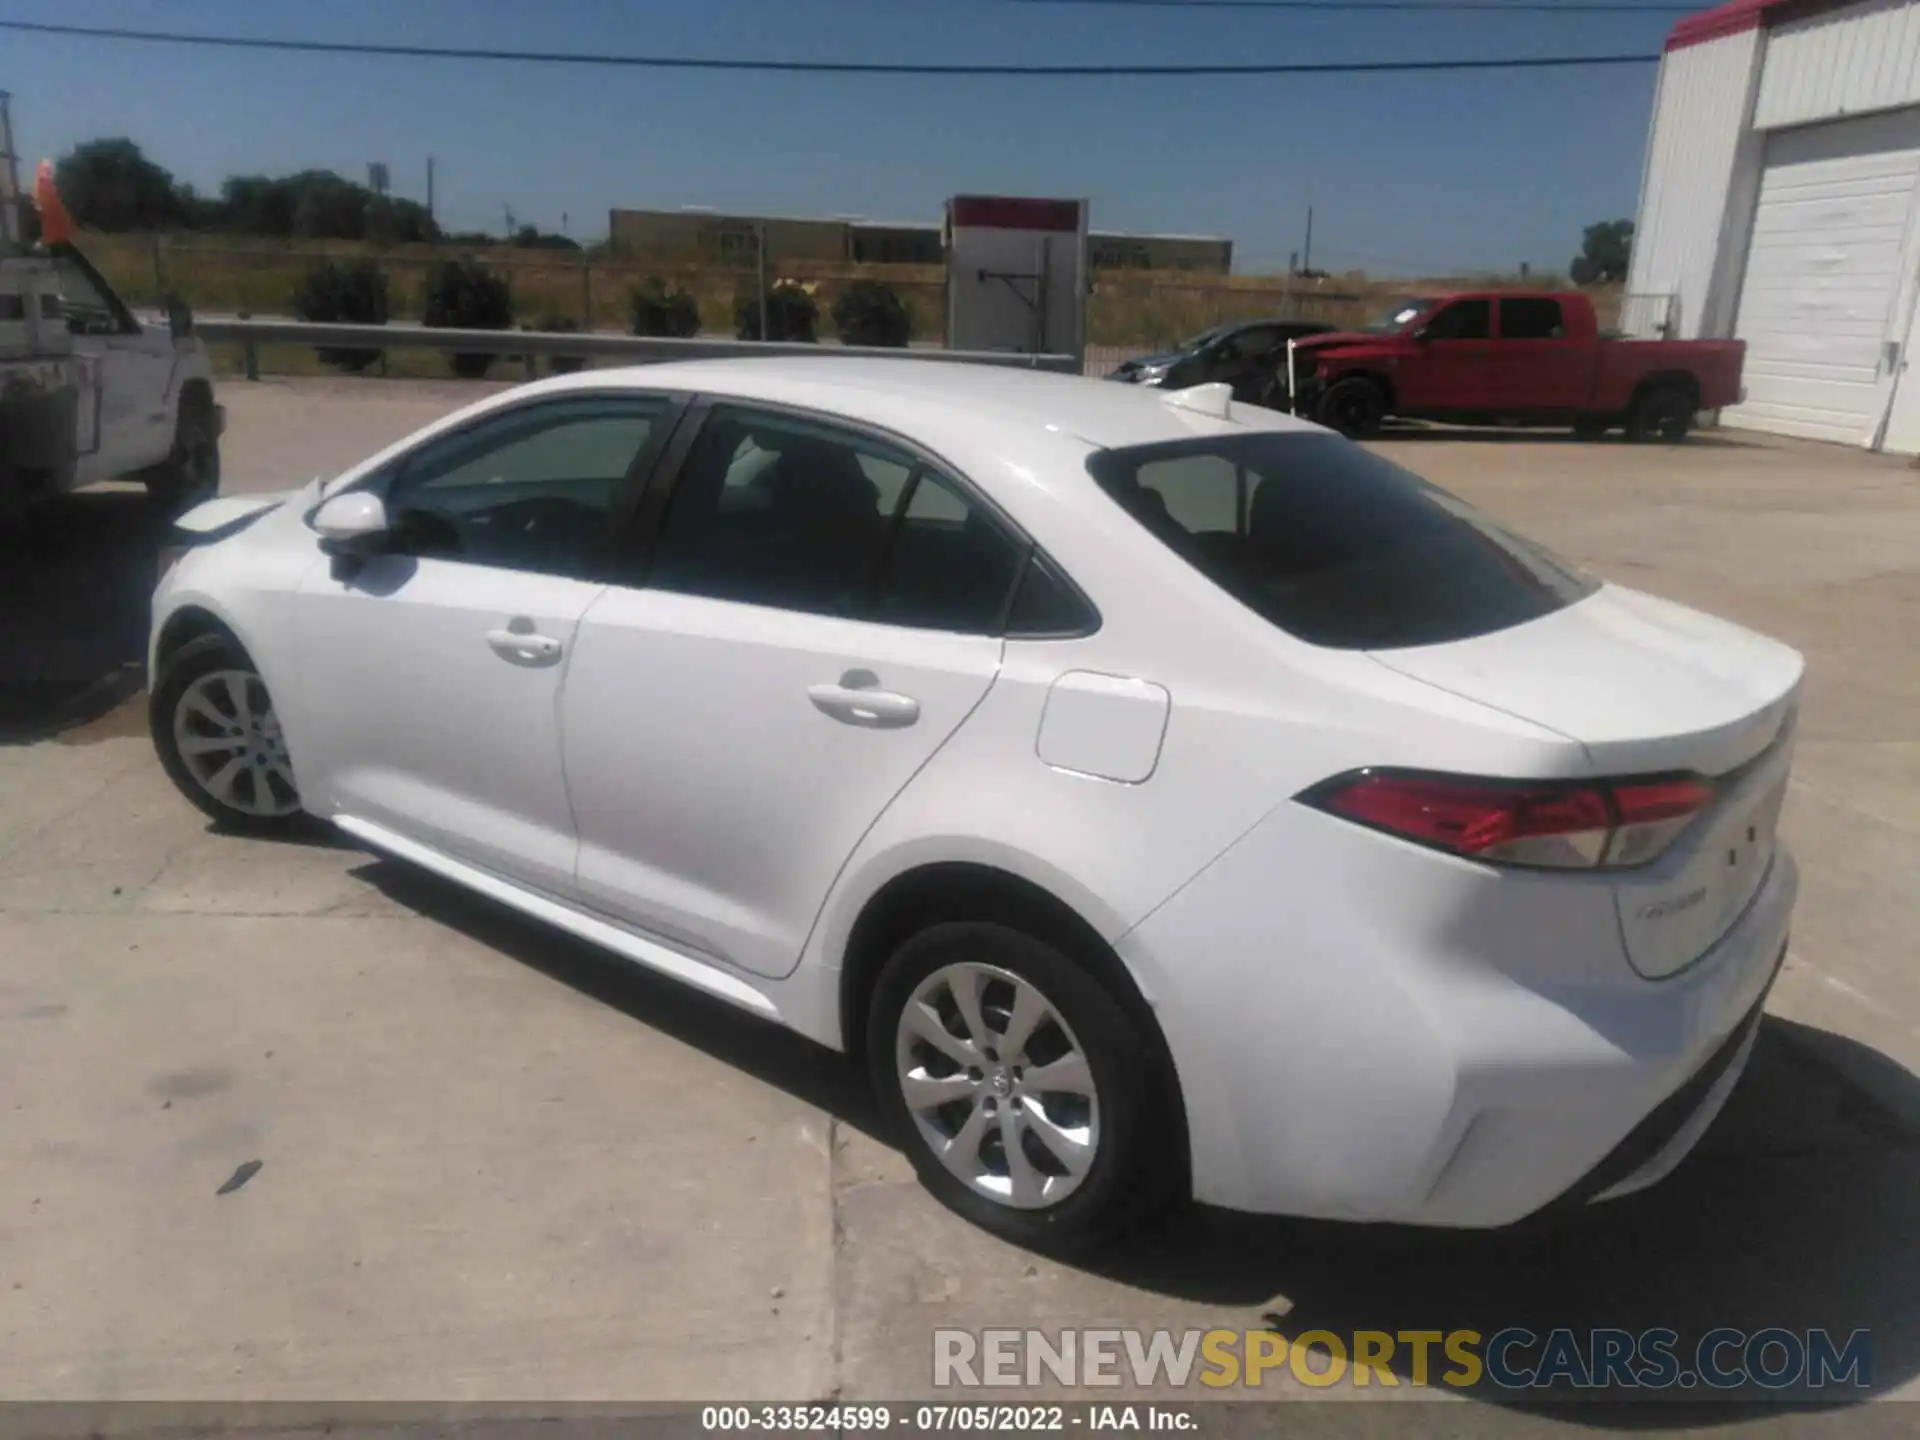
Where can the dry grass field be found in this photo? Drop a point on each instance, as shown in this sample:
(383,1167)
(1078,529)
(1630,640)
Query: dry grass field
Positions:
(1131,310)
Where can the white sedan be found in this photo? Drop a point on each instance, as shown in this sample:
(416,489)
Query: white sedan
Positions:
(1161,795)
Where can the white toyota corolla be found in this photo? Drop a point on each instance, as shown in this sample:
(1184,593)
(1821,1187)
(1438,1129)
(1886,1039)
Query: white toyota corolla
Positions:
(1161,794)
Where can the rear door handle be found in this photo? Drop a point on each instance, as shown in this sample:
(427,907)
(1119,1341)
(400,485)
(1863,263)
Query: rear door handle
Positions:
(524,647)
(864,705)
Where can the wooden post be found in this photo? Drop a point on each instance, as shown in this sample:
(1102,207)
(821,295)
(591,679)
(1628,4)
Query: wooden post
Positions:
(586,296)
(253,361)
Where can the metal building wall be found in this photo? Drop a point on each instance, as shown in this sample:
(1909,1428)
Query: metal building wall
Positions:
(1843,62)
(1695,160)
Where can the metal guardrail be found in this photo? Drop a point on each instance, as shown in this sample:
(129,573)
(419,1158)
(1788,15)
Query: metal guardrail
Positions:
(530,344)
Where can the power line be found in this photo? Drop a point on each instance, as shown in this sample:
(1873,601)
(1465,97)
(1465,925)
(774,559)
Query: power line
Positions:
(807,67)
(1537,7)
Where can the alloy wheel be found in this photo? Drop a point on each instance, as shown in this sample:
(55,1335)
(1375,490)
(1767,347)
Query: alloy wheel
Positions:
(229,740)
(998,1085)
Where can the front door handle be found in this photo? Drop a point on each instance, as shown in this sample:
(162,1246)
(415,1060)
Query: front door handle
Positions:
(858,700)
(524,647)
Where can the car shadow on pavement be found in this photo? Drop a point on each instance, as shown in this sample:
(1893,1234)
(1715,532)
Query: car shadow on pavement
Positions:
(76,588)
(1800,1210)
(810,1073)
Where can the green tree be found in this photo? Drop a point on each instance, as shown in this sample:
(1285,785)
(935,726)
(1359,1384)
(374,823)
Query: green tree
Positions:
(111,185)
(657,310)
(871,312)
(1605,251)
(792,313)
(353,292)
(466,295)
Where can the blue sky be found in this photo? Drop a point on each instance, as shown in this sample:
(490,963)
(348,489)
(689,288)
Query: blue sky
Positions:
(1405,172)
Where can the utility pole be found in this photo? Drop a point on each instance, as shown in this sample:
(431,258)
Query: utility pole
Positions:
(1306,266)
(760,260)
(430,187)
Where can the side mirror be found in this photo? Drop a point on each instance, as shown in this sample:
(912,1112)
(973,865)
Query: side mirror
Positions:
(351,523)
(179,318)
(1419,334)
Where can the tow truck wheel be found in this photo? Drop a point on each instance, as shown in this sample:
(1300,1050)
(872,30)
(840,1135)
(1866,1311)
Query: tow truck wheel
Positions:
(192,472)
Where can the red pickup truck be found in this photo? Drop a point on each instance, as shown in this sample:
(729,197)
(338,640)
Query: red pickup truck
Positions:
(1533,358)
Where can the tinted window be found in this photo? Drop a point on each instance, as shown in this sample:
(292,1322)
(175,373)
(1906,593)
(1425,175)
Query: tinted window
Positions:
(1530,320)
(803,515)
(532,489)
(770,510)
(1047,605)
(1332,543)
(949,567)
(88,306)
(1251,344)
(1462,320)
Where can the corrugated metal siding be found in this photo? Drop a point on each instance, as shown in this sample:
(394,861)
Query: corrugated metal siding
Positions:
(1845,62)
(1699,118)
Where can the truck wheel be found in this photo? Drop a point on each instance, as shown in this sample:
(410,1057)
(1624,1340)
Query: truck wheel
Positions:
(192,472)
(1664,413)
(1353,407)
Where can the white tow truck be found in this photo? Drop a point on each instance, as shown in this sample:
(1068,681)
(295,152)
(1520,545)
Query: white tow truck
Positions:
(88,390)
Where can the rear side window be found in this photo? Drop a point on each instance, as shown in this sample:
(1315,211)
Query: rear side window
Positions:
(1531,320)
(1334,544)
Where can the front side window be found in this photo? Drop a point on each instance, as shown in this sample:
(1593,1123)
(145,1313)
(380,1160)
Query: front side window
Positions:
(533,489)
(1333,544)
(1462,320)
(799,514)
(87,304)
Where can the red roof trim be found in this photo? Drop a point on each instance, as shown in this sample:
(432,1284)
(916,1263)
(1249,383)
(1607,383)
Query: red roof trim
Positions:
(1739,16)
(1003,212)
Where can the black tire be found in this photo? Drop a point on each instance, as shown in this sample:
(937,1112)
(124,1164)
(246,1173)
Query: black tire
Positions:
(1665,413)
(209,655)
(1354,407)
(191,473)
(1589,428)
(1127,1178)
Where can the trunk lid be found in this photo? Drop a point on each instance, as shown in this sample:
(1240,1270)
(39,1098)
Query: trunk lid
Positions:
(1647,687)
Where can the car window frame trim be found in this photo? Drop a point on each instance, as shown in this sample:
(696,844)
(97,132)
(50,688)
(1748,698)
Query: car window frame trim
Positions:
(600,562)
(640,546)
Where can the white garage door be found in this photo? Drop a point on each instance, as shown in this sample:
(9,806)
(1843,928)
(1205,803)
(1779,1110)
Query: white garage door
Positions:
(1823,276)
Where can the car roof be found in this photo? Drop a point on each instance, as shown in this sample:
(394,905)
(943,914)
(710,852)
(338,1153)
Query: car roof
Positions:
(909,395)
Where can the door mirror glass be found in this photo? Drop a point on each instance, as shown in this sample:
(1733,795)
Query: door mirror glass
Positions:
(351,521)
(179,318)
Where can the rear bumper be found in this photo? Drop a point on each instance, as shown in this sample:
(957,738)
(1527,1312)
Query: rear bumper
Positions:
(1329,1069)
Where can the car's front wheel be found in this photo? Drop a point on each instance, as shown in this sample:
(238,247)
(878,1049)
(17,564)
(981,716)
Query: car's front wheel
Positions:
(1354,407)
(219,739)
(1018,1086)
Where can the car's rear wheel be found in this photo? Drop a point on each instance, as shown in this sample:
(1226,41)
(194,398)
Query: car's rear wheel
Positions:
(1664,413)
(219,738)
(1015,1081)
(1353,407)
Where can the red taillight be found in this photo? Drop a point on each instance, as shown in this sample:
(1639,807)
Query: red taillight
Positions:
(1577,826)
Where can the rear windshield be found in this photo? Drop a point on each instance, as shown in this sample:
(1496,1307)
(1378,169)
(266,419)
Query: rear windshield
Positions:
(1334,544)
